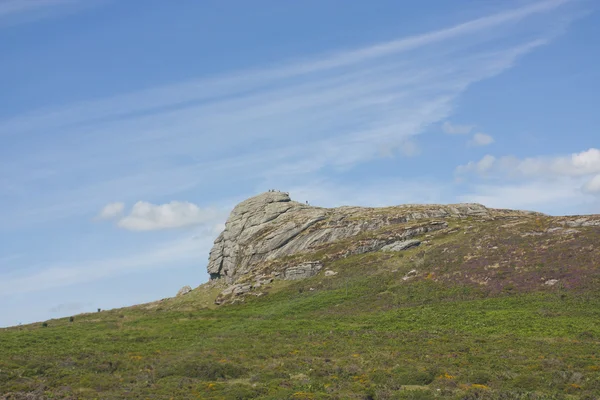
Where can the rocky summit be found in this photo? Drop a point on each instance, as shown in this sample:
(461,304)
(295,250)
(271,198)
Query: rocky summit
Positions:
(404,302)
(270,236)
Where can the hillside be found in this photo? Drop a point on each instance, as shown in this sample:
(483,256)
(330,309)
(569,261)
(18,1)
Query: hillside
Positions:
(407,302)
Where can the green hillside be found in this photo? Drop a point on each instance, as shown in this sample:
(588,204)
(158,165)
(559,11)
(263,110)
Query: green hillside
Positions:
(496,309)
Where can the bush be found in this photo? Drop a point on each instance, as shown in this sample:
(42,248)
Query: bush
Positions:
(480,377)
(204,370)
(414,377)
(45,324)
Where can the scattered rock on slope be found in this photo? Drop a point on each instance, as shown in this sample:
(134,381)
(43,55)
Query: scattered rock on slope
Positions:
(401,245)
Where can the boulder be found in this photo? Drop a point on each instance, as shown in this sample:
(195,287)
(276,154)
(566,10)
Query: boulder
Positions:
(401,245)
(184,290)
(302,271)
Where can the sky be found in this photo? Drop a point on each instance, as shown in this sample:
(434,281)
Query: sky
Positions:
(129,129)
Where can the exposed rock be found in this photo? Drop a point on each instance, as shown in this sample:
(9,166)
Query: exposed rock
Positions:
(551,282)
(271,226)
(302,271)
(401,245)
(581,222)
(184,290)
(410,274)
(237,289)
(330,273)
(255,231)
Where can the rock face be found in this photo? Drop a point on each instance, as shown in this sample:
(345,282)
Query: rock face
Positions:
(259,228)
(271,226)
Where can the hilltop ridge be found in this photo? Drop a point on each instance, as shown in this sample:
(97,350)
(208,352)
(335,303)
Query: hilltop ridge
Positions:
(270,236)
(405,302)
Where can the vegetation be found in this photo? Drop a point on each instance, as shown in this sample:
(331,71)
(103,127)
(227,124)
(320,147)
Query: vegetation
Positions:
(476,321)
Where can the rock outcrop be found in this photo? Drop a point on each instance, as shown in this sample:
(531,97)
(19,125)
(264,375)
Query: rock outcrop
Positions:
(270,227)
(184,290)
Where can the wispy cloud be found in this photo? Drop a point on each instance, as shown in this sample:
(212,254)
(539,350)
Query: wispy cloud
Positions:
(331,112)
(533,195)
(146,216)
(544,182)
(481,139)
(593,185)
(584,163)
(111,210)
(169,254)
(453,129)
(14,12)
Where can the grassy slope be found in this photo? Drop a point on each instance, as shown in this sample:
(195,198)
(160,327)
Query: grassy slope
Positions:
(477,322)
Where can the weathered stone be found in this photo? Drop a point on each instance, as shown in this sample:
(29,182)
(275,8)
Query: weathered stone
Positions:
(410,274)
(402,245)
(241,289)
(236,289)
(184,290)
(582,222)
(271,226)
(302,271)
(551,282)
(330,273)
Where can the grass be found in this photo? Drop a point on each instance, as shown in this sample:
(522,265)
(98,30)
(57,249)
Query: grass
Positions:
(365,333)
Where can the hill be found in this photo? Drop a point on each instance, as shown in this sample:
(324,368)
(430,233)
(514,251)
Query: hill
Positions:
(407,302)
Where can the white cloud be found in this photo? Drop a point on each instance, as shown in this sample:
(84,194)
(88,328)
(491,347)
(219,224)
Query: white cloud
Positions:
(111,210)
(557,197)
(145,216)
(560,183)
(481,167)
(452,129)
(584,163)
(481,139)
(593,185)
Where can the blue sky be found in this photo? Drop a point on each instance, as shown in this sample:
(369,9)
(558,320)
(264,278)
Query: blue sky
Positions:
(129,129)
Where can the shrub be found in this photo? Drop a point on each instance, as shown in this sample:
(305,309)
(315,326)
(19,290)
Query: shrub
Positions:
(45,324)
(479,377)
(205,370)
(414,377)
